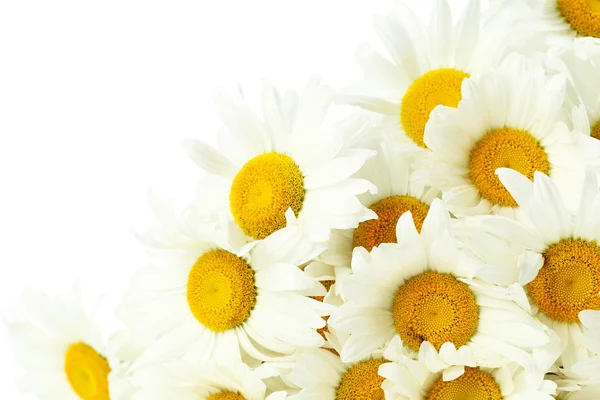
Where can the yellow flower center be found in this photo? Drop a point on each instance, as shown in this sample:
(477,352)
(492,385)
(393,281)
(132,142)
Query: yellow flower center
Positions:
(433,88)
(226,396)
(474,384)
(362,382)
(373,232)
(437,308)
(263,190)
(582,15)
(595,131)
(87,372)
(504,148)
(569,281)
(220,290)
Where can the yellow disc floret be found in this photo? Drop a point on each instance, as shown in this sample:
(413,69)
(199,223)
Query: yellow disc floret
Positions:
(474,384)
(362,382)
(569,281)
(436,87)
(582,15)
(437,308)
(504,148)
(87,372)
(226,396)
(595,131)
(220,290)
(263,190)
(374,232)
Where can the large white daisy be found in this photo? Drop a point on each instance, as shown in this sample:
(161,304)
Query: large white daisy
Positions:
(426,292)
(510,118)
(286,159)
(60,350)
(214,381)
(558,255)
(407,379)
(391,171)
(428,62)
(204,301)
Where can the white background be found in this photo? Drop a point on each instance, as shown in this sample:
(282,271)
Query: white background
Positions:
(94,99)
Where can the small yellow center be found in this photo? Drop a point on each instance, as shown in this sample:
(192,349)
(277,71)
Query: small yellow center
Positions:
(263,190)
(437,308)
(474,384)
(582,15)
(569,281)
(226,396)
(87,372)
(504,148)
(362,382)
(436,87)
(595,131)
(220,290)
(374,232)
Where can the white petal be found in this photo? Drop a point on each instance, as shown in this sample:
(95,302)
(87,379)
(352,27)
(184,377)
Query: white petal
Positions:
(208,158)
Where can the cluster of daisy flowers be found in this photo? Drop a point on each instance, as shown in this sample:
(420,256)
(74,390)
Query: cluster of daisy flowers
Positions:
(440,242)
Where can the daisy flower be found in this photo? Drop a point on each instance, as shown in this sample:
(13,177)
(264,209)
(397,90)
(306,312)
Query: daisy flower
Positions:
(568,18)
(559,259)
(204,301)
(409,379)
(285,160)
(428,62)
(61,352)
(425,292)
(391,171)
(320,374)
(507,118)
(214,381)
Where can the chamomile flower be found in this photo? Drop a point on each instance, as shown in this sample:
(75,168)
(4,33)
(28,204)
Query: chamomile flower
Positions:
(559,258)
(507,118)
(567,19)
(429,62)
(425,292)
(320,374)
(285,160)
(61,352)
(214,381)
(390,171)
(204,301)
(411,380)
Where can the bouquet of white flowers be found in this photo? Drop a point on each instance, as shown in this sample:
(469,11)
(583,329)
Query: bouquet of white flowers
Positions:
(440,242)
